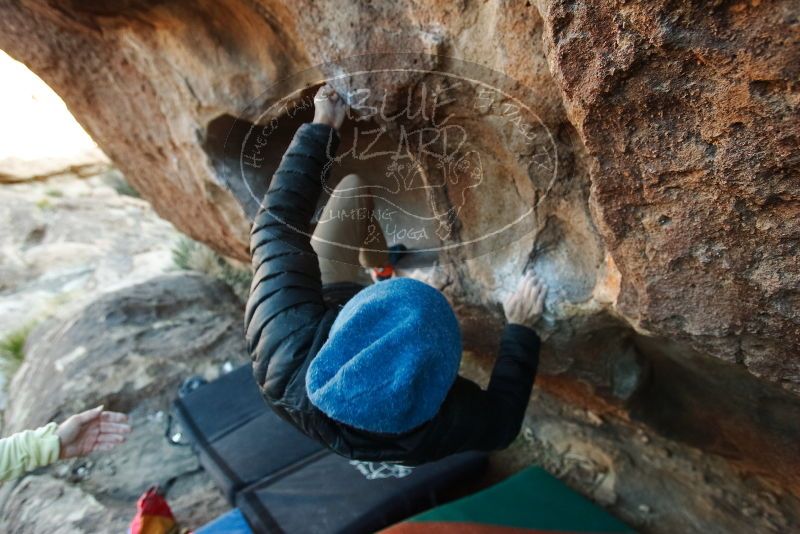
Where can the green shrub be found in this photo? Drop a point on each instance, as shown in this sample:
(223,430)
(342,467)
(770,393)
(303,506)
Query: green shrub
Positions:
(189,255)
(116,180)
(12,349)
(182,253)
(124,188)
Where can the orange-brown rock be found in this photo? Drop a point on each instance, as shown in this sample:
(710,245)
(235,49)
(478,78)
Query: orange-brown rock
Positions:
(661,184)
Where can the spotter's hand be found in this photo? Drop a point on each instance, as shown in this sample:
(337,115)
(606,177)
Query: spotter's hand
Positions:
(526,304)
(329,107)
(92,430)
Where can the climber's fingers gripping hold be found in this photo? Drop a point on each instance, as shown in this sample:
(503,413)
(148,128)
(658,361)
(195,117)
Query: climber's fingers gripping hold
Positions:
(526,305)
(329,107)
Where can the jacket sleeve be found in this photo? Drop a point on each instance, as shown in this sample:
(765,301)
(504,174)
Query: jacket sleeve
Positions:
(486,420)
(27,450)
(285,306)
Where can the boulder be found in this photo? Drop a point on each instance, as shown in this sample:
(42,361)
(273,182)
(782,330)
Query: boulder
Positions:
(129,350)
(67,239)
(69,509)
(689,114)
(648,152)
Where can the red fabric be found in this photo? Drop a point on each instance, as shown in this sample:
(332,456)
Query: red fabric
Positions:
(384,273)
(153,515)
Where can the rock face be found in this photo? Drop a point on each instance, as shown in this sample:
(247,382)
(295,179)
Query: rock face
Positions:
(660,183)
(689,116)
(129,350)
(66,239)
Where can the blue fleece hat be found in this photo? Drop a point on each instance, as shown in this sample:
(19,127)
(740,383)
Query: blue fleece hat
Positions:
(390,358)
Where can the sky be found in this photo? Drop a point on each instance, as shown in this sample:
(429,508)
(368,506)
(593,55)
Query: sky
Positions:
(35,123)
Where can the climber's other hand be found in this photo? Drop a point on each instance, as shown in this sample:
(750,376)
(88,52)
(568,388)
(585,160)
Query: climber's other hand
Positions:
(329,107)
(526,305)
(92,430)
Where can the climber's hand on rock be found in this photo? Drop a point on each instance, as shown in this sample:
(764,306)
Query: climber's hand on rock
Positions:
(92,430)
(526,304)
(329,107)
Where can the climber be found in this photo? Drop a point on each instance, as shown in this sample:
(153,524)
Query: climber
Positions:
(80,435)
(371,372)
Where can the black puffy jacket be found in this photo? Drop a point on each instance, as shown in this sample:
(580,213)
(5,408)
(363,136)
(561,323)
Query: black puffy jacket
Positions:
(289,315)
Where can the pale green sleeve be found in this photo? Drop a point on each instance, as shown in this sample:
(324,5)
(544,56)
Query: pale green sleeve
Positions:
(27,450)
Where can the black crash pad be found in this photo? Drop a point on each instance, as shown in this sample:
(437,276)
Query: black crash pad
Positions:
(284,482)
